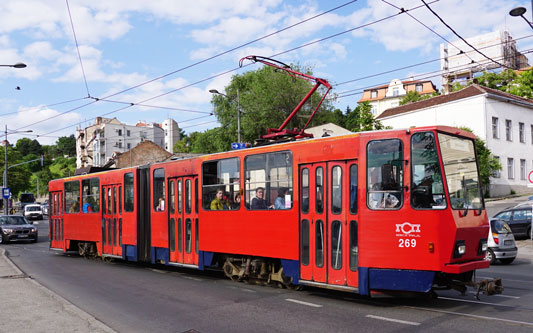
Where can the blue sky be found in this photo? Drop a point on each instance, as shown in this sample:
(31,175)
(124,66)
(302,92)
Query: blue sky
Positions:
(124,43)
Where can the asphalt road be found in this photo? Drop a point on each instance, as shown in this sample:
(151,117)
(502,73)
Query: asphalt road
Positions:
(132,298)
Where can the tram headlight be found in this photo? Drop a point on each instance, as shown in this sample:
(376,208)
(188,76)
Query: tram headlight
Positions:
(460,249)
(482,246)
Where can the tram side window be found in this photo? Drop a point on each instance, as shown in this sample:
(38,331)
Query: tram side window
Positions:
(427,189)
(90,195)
(72,196)
(128,192)
(268,183)
(221,176)
(159,190)
(385,174)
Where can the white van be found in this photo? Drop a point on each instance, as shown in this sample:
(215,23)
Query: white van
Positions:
(501,243)
(33,212)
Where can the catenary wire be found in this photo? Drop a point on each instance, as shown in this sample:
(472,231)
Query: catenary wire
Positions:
(234,69)
(78,49)
(38,108)
(460,37)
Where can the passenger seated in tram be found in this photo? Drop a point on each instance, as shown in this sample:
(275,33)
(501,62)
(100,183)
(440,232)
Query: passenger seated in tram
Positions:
(161,206)
(219,203)
(258,202)
(236,202)
(280,200)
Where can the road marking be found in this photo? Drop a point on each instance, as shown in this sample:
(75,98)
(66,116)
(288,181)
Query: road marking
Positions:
(191,278)
(477,302)
(394,320)
(498,295)
(522,281)
(303,303)
(473,316)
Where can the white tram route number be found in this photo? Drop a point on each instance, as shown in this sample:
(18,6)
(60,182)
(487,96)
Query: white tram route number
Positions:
(409,242)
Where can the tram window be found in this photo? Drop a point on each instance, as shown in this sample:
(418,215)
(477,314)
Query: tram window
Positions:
(336,190)
(72,196)
(319,191)
(115,206)
(188,235)
(336,245)
(188,196)
(196,238)
(120,199)
(109,201)
(305,243)
(104,207)
(128,192)
(385,174)
(427,189)
(180,235)
(304,192)
(179,196)
(353,246)
(319,243)
(159,190)
(172,197)
(221,175)
(172,234)
(269,181)
(353,188)
(56,211)
(90,195)
(196,195)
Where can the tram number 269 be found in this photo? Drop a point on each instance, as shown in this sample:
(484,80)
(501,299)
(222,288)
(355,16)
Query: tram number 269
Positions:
(410,242)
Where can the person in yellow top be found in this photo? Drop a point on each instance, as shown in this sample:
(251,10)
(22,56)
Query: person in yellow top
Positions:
(219,203)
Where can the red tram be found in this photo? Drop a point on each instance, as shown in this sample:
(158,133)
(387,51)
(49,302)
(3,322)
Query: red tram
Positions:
(370,212)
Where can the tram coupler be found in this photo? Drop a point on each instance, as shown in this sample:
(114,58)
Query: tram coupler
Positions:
(489,287)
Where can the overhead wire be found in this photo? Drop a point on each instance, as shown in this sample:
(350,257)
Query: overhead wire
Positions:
(42,107)
(237,68)
(78,49)
(460,37)
(198,62)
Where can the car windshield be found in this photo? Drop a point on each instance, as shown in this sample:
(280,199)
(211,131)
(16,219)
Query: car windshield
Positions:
(460,168)
(500,227)
(12,220)
(33,208)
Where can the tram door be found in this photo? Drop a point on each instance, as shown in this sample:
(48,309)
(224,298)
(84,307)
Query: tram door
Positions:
(183,220)
(328,222)
(55,217)
(112,219)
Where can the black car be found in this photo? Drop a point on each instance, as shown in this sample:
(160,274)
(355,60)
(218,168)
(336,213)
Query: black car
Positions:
(518,218)
(16,227)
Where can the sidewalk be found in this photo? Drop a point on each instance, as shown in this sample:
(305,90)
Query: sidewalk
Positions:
(525,248)
(27,306)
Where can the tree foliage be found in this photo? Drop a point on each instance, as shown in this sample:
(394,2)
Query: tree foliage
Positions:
(508,81)
(66,145)
(414,96)
(362,119)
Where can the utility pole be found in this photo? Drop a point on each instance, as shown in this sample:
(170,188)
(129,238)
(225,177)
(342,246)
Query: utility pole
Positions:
(238,117)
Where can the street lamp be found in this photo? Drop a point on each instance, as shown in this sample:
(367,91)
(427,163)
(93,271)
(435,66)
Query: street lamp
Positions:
(214,91)
(6,203)
(17,65)
(520,11)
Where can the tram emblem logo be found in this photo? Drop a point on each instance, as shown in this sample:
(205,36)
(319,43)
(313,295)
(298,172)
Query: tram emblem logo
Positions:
(407,228)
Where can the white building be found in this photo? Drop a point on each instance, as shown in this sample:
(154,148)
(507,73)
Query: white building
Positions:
(502,120)
(172,134)
(96,144)
(388,96)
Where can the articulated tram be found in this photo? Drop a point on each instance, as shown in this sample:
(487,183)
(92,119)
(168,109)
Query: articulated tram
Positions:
(371,212)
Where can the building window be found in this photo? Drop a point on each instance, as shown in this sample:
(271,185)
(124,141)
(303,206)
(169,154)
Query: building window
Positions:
(522,132)
(385,174)
(374,94)
(510,168)
(128,132)
(523,169)
(394,104)
(495,128)
(270,174)
(395,91)
(418,87)
(374,111)
(221,176)
(129,145)
(90,195)
(496,173)
(119,131)
(508,130)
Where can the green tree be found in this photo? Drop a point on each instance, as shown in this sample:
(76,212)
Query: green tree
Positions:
(27,146)
(66,145)
(488,165)
(266,97)
(362,119)
(523,85)
(19,176)
(500,81)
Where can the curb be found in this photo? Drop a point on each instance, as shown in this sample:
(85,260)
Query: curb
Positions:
(65,304)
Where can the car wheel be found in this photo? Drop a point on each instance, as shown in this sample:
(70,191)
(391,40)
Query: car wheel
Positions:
(507,261)
(489,255)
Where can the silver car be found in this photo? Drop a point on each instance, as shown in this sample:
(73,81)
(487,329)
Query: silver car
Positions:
(501,243)
(16,227)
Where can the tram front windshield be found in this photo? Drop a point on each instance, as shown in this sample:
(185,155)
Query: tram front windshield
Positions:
(460,169)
